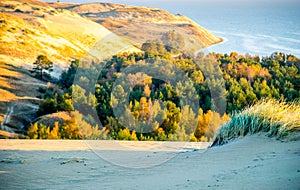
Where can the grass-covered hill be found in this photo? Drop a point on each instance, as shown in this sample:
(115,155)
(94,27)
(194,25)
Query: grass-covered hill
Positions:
(139,24)
(29,29)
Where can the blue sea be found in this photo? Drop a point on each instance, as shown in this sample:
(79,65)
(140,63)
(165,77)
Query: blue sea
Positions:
(256,27)
(248,28)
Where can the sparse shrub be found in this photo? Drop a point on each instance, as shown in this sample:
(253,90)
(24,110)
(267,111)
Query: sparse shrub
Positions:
(173,41)
(28,31)
(10,6)
(42,90)
(193,138)
(124,134)
(19,11)
(53,12)
(161,134)
(33,131)
(48,106)
(12,30)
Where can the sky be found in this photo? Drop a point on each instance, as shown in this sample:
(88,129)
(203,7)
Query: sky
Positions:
(228,2)
(195,5)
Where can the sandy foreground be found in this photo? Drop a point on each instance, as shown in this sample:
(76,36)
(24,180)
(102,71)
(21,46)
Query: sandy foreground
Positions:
(254,162)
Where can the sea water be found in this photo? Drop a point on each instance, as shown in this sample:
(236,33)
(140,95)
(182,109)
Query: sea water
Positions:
(258,28)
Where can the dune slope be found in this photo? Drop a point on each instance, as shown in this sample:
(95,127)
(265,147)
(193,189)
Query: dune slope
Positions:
(254,162)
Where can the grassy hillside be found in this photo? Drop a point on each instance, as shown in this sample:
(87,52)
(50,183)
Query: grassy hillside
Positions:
(29,29)
(18,102)
(139,24)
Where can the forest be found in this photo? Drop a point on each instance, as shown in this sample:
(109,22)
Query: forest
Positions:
(162,94)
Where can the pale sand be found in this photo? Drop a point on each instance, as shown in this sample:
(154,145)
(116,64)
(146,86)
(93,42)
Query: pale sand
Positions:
(254,162)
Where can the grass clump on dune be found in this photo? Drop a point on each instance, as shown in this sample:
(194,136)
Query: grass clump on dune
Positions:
(275,117)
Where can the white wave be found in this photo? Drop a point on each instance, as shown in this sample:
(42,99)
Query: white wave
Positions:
(261,44)
(252,46)
(295,33)
(218,32)
(264,36)
(290,39)
(242,35)
(273,38)
(283,48)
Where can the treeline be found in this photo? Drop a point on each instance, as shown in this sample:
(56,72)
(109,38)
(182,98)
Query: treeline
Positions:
(153,109)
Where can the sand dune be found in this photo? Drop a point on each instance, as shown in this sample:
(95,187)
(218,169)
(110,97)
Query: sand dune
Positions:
(254,162)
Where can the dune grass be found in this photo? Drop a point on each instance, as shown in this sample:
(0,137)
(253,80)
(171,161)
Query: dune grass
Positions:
(277,118)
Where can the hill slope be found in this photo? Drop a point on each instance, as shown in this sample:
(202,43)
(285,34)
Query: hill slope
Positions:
(29,29)
(138,24)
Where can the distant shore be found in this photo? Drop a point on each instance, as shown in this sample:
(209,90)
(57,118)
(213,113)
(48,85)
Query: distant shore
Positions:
(206,49)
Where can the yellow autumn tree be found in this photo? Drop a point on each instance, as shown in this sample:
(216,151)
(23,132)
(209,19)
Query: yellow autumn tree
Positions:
(33,131)
(147,91)
(54,134)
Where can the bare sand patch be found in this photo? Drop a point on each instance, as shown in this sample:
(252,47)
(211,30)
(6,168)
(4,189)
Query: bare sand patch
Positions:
(253,162)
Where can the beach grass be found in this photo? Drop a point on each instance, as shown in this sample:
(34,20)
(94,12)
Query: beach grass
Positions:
(277,118)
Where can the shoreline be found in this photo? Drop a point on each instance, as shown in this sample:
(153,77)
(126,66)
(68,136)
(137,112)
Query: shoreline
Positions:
(205,49)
